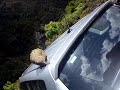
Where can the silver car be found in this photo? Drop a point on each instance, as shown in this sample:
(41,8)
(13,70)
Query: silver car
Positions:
(85,57)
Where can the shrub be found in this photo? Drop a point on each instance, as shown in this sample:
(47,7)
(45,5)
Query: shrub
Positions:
(52,29)
(75,10)
(11,86)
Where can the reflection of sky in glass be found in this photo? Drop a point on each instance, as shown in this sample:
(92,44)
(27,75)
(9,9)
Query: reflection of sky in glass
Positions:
(89,60)
(114,17)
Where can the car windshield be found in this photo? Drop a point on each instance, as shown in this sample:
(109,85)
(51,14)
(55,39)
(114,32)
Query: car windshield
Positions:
(94,63)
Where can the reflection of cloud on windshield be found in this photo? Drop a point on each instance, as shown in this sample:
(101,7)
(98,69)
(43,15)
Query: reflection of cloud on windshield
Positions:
(114,17)
(105,63)
(86,71)
(85,67)
(107,46)
(114,32)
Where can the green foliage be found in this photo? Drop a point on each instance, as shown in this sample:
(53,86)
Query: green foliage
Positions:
(11,86)
(75,10)
(73,17)
(72,5)
(8,86)
(53,28)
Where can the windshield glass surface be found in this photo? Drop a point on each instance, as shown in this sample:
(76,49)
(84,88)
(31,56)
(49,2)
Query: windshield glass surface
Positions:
(95,62)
